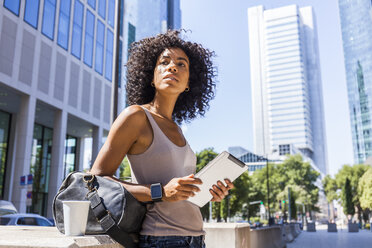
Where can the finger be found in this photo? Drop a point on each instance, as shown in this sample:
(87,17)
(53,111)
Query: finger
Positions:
(222,187)
(230,185)
(186,193)
(188,180)
(216,197)
(218,191)
(189,187)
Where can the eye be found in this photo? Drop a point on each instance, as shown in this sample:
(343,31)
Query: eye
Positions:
(181,64)
(164,62)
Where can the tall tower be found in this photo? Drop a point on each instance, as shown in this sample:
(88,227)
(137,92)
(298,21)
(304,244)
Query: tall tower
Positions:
(356,26)
(287,97)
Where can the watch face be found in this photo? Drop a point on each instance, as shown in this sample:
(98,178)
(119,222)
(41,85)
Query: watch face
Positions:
(156,191)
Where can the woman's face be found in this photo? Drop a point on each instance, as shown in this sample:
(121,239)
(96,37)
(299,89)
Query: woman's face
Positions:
(171,72)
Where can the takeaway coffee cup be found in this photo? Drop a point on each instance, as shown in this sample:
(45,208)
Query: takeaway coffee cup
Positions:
(75,214)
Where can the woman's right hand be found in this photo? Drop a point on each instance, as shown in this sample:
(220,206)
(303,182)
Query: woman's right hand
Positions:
(181,188)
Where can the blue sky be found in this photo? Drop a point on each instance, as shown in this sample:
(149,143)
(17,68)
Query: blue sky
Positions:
(222,26)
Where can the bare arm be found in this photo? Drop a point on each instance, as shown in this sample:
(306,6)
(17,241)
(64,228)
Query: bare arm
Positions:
(126,132)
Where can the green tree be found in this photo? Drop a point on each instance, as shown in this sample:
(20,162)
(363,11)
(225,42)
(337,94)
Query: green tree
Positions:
(347,199)
(301,177)
(293,205)
(124,169)
(330,188)
(365,190)
(354,173)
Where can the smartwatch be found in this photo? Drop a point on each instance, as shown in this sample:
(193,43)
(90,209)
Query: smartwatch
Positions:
(156,192)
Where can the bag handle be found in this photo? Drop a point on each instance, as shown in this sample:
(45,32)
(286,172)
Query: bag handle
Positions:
(104,217)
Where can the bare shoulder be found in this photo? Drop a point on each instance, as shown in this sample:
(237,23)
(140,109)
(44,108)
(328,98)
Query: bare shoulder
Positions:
(132,115)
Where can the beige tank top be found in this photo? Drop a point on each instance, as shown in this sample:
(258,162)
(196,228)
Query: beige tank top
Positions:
(162,161)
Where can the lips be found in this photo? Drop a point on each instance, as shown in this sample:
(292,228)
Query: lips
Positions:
(171,77)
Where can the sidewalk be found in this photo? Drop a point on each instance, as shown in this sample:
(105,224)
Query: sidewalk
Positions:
(323,239)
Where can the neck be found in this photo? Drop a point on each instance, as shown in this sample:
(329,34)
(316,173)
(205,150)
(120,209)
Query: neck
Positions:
(163,105)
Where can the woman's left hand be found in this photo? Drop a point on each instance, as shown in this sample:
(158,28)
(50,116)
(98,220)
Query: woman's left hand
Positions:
(219,191)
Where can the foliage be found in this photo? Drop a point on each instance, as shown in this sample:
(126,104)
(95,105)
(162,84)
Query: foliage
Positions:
(301,177)
(354,173)
(330,188)
(347,198)
(293,205)
(124,169)
(365,190)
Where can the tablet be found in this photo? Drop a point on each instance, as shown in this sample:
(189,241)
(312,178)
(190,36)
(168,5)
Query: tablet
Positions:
(224,166)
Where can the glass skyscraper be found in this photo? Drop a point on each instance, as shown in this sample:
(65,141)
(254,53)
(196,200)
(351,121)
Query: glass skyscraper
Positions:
(356,26)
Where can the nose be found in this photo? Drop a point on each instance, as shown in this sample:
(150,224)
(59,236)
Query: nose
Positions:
(172,68)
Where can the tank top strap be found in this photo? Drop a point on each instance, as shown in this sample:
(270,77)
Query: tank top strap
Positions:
(155,128)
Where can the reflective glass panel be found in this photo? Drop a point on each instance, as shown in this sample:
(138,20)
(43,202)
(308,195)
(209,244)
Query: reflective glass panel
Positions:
(32,12)
(98,62)
(49,18)
(89,37)
(12,5)
(102,8)
(77,28)
(92,3)
(64,23)
(109,52)
(111,13)
(4,140)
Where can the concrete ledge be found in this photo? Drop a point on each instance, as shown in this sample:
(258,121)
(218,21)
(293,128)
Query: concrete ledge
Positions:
(231,235)
(37,237)
(287,234)
(268,237)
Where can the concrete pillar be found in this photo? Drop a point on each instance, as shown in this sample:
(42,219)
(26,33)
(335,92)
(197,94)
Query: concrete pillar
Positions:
(97,142)
(80,154)
(58,151)
(24,131)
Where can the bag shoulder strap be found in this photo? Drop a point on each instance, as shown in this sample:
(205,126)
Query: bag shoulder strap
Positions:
(108,223)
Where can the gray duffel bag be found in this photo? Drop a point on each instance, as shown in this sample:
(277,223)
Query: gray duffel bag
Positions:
(113,210)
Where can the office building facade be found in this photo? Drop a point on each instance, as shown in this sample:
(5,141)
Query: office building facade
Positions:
(145,18)
(356,27)
(56,78)
(287,97)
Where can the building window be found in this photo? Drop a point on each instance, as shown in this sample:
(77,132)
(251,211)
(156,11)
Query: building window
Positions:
(5,119)
(49,15)
(12,5)
(111,13)
(120,62)
(89,37)
(77,28)
(92,4)
(70,154)
(131,35)
(41,155)
(109,52)
(102,8)
(121,17)
(32,12)
(100,38)
(64,23)
(284,150)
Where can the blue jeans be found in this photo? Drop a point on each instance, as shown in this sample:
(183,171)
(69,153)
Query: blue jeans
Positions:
(146,241)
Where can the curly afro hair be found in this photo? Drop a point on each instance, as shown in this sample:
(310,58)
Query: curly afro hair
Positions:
(140,72)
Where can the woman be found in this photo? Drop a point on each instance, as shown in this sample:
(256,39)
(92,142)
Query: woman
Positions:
(169,80)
